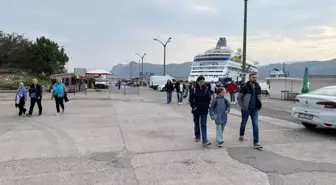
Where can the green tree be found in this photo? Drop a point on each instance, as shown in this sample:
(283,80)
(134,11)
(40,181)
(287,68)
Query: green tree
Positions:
(13,50)
(47,57)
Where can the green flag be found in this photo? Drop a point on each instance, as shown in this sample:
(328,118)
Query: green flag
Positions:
(305,87)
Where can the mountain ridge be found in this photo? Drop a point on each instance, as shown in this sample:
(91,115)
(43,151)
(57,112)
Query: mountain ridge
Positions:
(295,69)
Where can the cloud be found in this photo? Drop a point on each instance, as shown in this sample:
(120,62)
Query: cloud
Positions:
(100,34)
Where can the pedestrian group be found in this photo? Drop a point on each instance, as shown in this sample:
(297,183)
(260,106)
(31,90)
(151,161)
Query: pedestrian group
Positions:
(207,100)
(35,92)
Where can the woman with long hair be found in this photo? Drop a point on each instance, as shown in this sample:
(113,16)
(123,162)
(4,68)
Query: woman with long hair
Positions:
(21,98)
(199,100)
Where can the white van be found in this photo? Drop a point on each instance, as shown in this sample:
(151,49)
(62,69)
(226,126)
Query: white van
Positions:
(156,81)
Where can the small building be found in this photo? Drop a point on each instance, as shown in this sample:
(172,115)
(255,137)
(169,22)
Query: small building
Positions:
(284,88)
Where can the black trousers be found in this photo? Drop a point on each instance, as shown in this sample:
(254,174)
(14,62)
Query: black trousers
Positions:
(59,102)
(21,105)
(32,105)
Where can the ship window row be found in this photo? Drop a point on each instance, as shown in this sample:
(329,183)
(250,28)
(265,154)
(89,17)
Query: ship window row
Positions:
(207,59)
(234,69)
(215,76)
(212,55)
(195,68)
(207,71)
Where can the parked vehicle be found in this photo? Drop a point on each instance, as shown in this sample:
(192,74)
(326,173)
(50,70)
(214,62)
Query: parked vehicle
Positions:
(156,81)
(264,88)
(316,108)
(101,83)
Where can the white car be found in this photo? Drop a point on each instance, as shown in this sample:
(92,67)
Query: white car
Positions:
(161,88)
(316,108)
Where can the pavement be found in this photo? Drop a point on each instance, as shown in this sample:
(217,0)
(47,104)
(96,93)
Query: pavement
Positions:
(138,139)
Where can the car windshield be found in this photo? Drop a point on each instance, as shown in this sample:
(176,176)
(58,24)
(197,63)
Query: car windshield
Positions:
(101,80)
(325,91)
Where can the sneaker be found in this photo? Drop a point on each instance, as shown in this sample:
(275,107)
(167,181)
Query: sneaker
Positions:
(28,115)
(258,146)
(62,111)
(220,144)
(197,140)
(207,143)
(57,114)
(241,138)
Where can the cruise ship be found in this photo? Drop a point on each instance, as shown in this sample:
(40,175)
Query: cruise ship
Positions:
(220,63)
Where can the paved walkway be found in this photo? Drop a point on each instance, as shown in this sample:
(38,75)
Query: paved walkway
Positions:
(128,139)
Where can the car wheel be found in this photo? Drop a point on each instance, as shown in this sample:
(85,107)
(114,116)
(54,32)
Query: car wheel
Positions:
(309,126)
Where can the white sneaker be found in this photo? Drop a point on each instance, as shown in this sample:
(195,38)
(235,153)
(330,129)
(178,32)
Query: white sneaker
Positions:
(57,114)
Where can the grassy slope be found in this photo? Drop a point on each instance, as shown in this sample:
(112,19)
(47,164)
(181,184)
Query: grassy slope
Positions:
(11,81)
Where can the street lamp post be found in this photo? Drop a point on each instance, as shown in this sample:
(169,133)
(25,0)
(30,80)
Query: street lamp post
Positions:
(244,40)
(142,58)
(164,53)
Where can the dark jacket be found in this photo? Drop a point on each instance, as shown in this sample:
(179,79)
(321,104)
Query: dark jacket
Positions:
(245,95)
(169,87)
(178,89)
(35,89)
(199,100)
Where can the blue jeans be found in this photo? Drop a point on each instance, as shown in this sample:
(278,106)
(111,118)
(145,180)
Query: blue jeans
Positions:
(169,96)
(201,120)
(233,97)
(219,132)
(255,127)
(179,97)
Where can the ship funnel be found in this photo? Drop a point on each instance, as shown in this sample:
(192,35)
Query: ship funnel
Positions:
(221,43)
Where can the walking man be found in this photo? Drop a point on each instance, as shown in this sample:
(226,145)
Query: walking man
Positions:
(249,100)
(35,94)
(232,89)
(169,88)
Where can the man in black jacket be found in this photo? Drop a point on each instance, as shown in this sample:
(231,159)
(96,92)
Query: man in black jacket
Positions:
(249,100)
(169,88)
(35,94)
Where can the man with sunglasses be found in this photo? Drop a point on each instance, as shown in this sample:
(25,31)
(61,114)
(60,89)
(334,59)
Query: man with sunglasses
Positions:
(249,100)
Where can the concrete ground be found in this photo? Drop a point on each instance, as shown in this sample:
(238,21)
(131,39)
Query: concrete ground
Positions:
(131,139)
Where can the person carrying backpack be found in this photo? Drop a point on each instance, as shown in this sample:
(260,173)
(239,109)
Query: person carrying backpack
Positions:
(219,109)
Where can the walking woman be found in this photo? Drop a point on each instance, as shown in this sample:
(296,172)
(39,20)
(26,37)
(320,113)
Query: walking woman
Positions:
(169,88)
(199,102)
(180,88)
(59,91)
(21,98)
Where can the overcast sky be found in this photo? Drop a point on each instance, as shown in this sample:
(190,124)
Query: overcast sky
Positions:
(103,33)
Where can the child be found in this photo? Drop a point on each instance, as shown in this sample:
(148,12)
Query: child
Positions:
(219,109)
